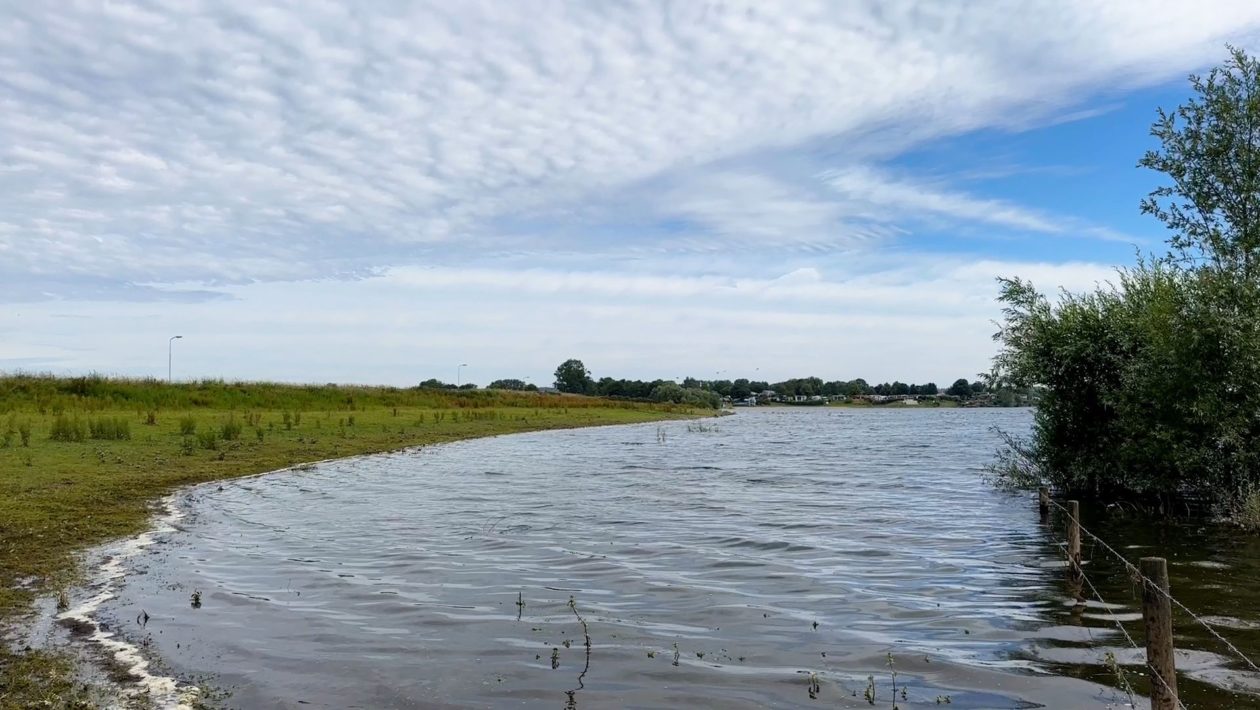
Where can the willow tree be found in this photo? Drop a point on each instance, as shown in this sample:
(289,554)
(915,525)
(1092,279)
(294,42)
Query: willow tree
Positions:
(1151,383)
(1210,150)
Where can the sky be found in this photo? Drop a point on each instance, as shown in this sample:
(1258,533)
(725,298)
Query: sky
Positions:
(380,192)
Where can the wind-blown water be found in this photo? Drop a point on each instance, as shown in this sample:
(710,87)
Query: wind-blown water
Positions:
(778,547)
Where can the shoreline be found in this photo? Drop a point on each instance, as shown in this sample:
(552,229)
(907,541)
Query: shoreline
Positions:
(31,671)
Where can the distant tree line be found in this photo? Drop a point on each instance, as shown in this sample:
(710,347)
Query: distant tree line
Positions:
(436,384)
(573,377)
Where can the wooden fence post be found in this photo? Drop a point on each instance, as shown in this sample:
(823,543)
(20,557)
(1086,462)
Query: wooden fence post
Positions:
(1157,613)
(1043,501)
(1074,538)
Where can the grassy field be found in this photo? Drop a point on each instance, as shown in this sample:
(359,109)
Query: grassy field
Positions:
(82,460)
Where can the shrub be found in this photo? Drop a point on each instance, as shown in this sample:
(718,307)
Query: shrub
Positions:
(24,431)
(187,426)
(150,419)
(66,429)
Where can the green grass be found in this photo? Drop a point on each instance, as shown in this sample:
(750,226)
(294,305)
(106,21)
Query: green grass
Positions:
(82,460)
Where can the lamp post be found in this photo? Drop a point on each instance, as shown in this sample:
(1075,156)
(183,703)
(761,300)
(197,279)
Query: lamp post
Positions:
(169,344)
(458,373)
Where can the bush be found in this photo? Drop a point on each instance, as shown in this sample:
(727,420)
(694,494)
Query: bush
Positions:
(1147,384)
(187,426)
(66,429)
(110,428)
(24,431)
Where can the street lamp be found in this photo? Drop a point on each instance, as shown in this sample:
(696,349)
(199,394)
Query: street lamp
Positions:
(169,344)
(459,382)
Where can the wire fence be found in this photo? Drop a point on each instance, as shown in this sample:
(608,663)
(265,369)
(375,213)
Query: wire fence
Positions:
(1137,575)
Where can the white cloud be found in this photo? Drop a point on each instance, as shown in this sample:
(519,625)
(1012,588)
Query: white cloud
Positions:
(205,134)
(878,196)
(582,178)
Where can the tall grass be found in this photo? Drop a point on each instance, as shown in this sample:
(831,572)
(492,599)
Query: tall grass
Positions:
(109,428)
(231,429)
(57,395)
(67,429)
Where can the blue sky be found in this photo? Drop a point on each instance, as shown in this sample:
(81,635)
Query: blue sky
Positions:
(324,191)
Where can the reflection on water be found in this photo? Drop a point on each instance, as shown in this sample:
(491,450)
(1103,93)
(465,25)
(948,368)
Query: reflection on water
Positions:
(786,554)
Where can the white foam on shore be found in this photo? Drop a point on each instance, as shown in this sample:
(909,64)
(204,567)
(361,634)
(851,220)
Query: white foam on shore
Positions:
(161,691)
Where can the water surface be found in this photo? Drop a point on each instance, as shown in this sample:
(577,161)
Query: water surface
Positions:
(726,564)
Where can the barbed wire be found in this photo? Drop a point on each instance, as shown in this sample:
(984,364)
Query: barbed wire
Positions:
(1133,569)
(1120,625)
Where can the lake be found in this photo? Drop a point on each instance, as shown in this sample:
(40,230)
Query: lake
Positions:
(780,557)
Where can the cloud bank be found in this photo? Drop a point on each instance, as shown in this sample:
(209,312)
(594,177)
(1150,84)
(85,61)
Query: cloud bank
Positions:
(207,153)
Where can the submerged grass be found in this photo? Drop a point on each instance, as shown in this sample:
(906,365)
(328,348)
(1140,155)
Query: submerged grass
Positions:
(83,474)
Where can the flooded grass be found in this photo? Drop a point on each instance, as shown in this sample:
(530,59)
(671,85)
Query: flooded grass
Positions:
(75,472)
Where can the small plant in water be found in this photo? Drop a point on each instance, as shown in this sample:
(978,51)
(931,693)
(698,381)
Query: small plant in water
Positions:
(195,599)
(63,601)
(555,658)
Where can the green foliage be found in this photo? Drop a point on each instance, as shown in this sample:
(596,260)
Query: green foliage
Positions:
(187,425)
(110,428)
(24,431)
(691,397)
(67,429)
(1210,151)
(508,384)
(1151,385)
(961,388)
(572,377)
